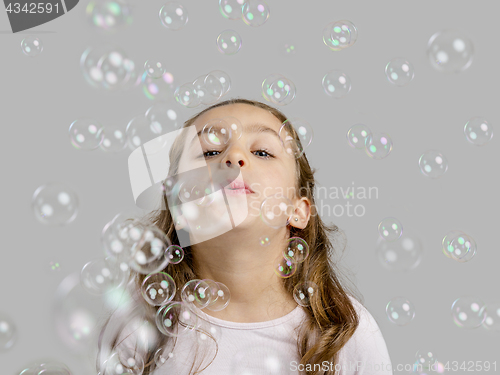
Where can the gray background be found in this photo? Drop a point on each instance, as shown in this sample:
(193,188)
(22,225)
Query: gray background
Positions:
(42,96)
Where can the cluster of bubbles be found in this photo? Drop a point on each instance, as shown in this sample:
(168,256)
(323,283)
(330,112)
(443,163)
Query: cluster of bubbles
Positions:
(390,229)
(399,71)
(376,145)
(400,254)
(338,35)
(278,89)
(109,15)
(459,246)
(173,16)
(55,204)
(206,89)
(253,12)
(32,46)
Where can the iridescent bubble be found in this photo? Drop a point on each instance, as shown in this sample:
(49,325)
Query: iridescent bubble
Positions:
(102,276)
(400,311)
(378,145)
(174,254)
(158,288)
(468,312)
(55,204)
(86,134)
(357,135)
(187,95)
(401,255)
(154,69)
(338,35)
(148,254)
(173,16)
(228,42)
(289,49)
(220,297)
(196,293)
(276,210)
(216,132)
(264,241)
(114,139)
(278,89)
(297,249)
(32,46)
(425,362)
(459,246)
(492,318)
(304,132)
(109,15)
(399,71)
(285,267)
(8,333)
(231,9)
(433,164)
(255,12)
(304,292)
(236,129)
(224,79)
(478,131)
(336,83)
(112,64)
(141,130)
(163,118)
(390,229)
(160,89)
(213,89)
(124,361)
(450,51)
(54,266)
(175,319)
(447,241)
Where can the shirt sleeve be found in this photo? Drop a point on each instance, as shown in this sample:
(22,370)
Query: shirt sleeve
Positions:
(366,351)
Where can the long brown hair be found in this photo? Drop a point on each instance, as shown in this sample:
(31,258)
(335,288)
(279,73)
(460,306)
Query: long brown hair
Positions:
(331,317)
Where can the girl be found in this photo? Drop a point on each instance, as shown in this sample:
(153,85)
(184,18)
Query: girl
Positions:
(263,329)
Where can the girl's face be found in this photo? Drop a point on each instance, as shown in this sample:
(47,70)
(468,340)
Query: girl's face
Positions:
(255,160)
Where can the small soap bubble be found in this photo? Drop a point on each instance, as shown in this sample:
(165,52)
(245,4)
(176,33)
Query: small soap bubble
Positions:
(378,145)
(86,134)
(390,229)
(264,241)
(425,362)
(224,79)
(478,131)
(304,292)
(228,42)
(54,266)
(433,164)
(176,319)
(187,95)
(278,89)
(276,210)
(459,246)
(357,135)
(174,254)
(161,356)
(231,9)
(173,15)
(114,140)
(154,69)
(32,46)
(400,311)
(102,276)
(158,288)
(55,204)
(148,254)
(220,296)
(492,318)
(338,35)
(401,255)
(285,267)
(109,15)
(196,293)
(8,333)
(216,132)
(468,312)
(289,49)
(158,89)
(450,51)
(255,12)
(297,250)
(399,71)
(336,83)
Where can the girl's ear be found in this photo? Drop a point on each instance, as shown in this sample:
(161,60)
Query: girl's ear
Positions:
(302,213)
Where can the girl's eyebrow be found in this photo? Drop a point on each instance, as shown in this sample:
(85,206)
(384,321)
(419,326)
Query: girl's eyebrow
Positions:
(252,128)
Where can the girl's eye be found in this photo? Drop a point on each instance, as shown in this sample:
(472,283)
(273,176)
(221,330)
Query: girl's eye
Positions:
(210,153)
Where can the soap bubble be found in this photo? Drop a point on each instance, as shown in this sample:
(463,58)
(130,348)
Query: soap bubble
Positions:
(336,83)
(401,255)
(123,361)
(478,131)
(114,139)
(158,89)
(154,69)
(399,71)
(425,362)
(357,135)
(297,249)
(468,312)
(433,164)
(32,46)
(55,204)
(338,35)
(173,16)
(8,333)
(278,89)
(148,254)
(264,241)
(175,319)
(229,42)
(255,12)
(231,9)
(400,311)
(187,95)
(304,292)
(158,288)
(289,49)
(390,229)
(459,246)
(492,318)
(285,267)
(223,78)
(220,296)
(450,51)
(174,254)
(275,211)
(86,134)
(378,145)
(102,276)
(196,293)
(109,15)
